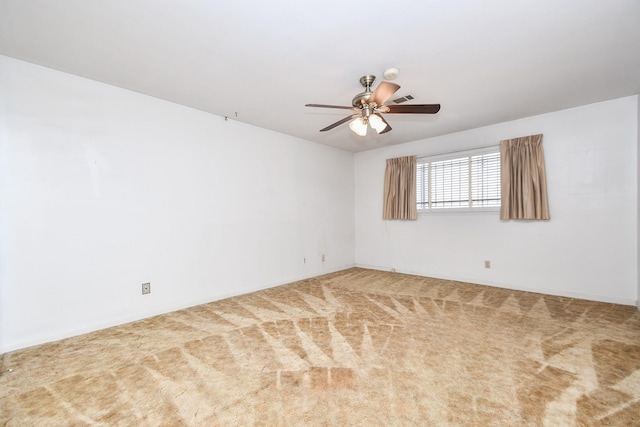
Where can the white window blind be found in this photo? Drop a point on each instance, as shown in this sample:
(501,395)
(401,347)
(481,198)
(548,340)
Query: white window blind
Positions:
(459,180)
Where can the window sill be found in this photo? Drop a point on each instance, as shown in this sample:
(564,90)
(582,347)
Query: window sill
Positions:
(481,210)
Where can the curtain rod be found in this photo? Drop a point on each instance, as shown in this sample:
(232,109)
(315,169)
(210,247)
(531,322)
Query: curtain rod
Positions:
(459,151)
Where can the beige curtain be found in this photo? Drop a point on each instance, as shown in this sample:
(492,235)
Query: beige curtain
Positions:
(523,179)
(400,188)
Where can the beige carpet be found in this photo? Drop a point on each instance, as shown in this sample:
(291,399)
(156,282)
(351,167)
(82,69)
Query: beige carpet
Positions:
(358,347)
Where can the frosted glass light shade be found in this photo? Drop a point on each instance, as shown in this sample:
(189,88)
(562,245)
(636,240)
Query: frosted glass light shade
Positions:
(377,123)
(359,126)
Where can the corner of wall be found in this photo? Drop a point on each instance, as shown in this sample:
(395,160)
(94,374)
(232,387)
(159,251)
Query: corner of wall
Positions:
(638,198)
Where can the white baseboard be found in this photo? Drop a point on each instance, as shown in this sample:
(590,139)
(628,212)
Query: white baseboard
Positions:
(545,291)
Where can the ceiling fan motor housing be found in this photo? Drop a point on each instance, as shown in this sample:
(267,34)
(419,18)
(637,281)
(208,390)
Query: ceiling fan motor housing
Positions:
(361,99)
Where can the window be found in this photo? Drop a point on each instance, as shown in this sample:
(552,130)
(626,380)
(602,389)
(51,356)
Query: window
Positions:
(459,180)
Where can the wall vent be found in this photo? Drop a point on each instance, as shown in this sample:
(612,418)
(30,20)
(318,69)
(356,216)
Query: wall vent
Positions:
(403,99)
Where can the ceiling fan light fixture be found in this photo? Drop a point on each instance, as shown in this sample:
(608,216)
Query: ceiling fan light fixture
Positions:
(369,106)
(377,123)
(359,126)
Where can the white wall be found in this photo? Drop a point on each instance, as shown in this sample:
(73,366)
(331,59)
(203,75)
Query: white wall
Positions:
(102,189)
(589,247)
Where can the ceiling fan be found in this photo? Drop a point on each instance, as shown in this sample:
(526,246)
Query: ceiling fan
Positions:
(369,106)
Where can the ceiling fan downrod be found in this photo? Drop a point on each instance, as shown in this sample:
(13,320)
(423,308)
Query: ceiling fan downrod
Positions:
(361,99)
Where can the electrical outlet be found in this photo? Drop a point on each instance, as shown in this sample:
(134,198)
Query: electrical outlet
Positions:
(487,263)
(146,288)
(322,257)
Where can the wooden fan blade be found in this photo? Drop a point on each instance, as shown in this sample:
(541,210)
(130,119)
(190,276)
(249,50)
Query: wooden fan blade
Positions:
(383,92)
(331,106)
(388,128)
(339,122)
(413,109)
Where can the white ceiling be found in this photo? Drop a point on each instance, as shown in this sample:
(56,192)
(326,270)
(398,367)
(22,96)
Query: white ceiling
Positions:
(484,61)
